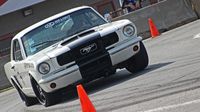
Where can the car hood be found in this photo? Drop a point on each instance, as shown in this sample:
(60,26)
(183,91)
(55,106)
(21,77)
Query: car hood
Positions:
(57,49)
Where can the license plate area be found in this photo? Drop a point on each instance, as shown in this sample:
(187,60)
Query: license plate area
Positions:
(95,66)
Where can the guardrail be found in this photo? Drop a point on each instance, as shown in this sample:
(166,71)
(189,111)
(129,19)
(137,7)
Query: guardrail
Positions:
(166,14)
(196,6)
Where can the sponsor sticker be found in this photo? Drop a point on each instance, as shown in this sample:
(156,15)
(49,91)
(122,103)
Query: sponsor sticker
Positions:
(57,21)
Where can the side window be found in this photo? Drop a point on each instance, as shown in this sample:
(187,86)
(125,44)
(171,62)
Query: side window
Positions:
(17,51)
(94,18)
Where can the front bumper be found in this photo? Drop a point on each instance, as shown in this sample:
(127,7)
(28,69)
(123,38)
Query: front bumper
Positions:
(69,76)
(124,50)
(62,79)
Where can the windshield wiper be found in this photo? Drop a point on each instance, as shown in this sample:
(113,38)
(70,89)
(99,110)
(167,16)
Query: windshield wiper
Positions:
(46,42)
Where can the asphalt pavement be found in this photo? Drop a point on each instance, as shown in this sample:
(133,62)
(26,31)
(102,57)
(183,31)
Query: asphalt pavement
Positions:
(171,82)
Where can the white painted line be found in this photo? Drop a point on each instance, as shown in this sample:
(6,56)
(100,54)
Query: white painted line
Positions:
(172,106)
(197,36)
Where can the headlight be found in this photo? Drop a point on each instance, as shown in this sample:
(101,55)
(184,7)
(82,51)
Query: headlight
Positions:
(44,68)
(129,30)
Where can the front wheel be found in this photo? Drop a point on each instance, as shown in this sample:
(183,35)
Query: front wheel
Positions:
(138,62)
(46,99)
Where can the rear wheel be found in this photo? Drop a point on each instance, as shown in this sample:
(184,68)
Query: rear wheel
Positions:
(139,61)
(46,99)
(28,101)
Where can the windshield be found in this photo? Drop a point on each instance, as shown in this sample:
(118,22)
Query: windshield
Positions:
(59,29)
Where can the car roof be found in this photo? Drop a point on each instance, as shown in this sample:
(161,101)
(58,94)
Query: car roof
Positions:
(28,29)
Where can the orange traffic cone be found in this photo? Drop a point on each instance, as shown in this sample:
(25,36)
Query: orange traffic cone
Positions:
(86,104)
(154,31)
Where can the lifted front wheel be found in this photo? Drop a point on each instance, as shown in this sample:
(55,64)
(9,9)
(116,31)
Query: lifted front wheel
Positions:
(46,99)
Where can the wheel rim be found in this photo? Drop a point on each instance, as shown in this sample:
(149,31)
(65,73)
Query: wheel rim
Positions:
(41,95)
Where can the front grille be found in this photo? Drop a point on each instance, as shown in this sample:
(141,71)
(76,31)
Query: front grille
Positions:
(89,54)
(64,58)
(87,50)
(110,39)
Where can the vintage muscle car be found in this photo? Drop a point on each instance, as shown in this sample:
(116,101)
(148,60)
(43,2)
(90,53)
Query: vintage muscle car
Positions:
(69,48)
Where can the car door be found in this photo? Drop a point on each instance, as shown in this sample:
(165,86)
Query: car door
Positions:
(22,75)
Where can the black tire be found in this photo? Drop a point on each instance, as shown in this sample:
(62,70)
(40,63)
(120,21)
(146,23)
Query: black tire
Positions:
(46,99)
(28,101)
(138,62)
(110,72)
